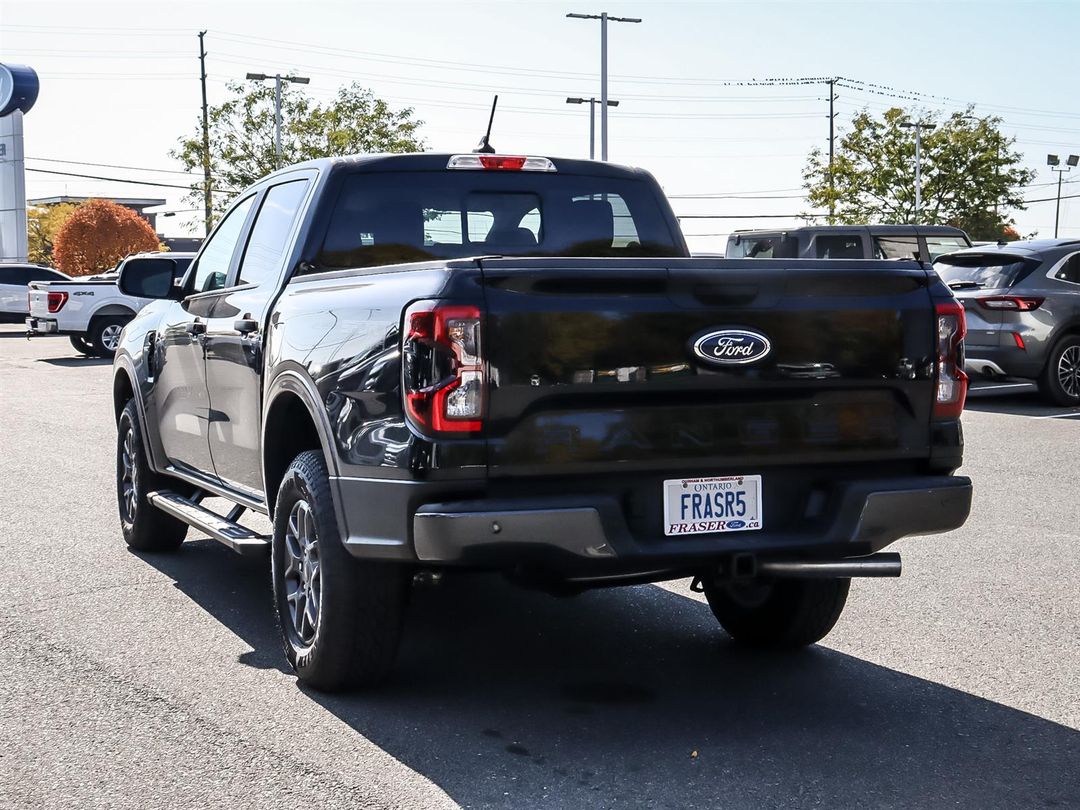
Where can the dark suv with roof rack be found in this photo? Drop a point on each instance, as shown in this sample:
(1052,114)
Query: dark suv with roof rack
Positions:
(1023,312)
(924,242)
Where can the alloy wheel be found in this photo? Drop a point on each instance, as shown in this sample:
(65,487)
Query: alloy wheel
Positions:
(303,583)
(110,337)
(1068,371)
(129,476)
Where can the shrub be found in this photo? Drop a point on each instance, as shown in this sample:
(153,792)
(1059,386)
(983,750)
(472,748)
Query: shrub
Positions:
(97,235)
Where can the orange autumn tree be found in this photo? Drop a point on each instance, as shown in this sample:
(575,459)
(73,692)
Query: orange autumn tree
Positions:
(97,235)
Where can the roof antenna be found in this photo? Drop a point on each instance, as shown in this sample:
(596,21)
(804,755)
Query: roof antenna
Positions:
(485,143)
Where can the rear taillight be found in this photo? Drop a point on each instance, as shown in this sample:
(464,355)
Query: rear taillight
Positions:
(443,376)
(951,381)
(57,301)
(1017,303)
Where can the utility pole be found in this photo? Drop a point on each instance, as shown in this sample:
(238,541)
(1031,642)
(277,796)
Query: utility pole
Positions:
(1055,166)
(592,120)
(832,148)
(604,17)
(278,80)
(918,126)
(208,202)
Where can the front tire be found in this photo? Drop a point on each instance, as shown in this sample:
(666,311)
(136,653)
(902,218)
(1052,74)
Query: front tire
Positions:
(104,335)
(145,527)
(1059,382)
(777,613)
(340,618)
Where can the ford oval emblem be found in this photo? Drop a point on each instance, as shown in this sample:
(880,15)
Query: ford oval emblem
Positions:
(731,347)
(735,524)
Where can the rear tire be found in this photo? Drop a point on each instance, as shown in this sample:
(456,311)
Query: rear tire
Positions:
(1059,382)
(145,527)
(778,613)
(81,345)
(104,335)
(340,618)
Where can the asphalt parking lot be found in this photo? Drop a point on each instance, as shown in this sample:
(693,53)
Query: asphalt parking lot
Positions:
(156,681)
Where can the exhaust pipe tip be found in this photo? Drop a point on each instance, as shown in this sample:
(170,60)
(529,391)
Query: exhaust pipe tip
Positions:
(882,564)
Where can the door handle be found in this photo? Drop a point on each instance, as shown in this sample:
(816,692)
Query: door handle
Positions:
(245,326)
(195,328)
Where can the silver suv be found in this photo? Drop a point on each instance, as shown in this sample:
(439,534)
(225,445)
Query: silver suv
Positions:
(1023,312)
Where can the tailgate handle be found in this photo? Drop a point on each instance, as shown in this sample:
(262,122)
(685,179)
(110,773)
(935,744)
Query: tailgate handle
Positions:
(726,294)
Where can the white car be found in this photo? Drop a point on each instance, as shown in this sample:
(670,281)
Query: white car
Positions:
(92,312)
(14,278)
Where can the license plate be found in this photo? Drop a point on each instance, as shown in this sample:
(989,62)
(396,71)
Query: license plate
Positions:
(731,503)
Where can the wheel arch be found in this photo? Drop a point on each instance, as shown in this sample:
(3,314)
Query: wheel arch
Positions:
(293,421)
(1063,332)
(112,311)
(123,391)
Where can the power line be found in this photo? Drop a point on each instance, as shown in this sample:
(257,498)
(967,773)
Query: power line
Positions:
(125,180)
(112,166)
(857,85)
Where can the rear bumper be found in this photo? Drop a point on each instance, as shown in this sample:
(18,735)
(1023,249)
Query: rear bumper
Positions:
(589,533)
(41,326)
(1007,361)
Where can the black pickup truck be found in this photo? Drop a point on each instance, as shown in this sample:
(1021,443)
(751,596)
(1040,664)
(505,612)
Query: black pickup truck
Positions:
(420,363)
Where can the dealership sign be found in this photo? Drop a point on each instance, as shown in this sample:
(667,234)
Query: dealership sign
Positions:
(18,92)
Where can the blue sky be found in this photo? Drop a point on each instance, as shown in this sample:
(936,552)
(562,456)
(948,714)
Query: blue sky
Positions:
(120,83)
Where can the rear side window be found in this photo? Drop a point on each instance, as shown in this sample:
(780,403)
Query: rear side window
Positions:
(271,231)
(21,274)
(940,245)
(44,274)
(1070,270)
(838,246)
(394,217)
(754,247)
(896,247)
(970,271)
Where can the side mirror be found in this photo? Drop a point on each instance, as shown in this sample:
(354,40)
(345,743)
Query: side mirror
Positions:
(148,278)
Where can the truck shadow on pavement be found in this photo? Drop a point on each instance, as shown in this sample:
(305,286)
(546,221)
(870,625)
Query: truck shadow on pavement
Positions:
(76,362)
(634,697)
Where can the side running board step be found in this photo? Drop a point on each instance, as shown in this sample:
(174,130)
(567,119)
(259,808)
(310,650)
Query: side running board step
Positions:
(239,538)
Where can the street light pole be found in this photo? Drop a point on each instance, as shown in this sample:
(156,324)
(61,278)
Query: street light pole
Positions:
(592,119)
(919,126)
(1054,163)
(278,79)
(604,17)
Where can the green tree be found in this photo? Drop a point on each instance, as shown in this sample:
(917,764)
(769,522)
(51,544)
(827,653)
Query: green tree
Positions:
(355,121)
(970,173)
(42,225)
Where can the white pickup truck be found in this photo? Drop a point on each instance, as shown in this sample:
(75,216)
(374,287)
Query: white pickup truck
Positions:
(92,312)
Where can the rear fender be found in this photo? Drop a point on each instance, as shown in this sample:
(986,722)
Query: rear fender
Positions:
(294,382)
(112,311)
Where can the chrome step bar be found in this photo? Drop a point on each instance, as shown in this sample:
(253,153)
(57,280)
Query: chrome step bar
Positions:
(239,538)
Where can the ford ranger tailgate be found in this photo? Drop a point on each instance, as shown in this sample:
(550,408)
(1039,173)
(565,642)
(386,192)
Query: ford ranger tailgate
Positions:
(594,366)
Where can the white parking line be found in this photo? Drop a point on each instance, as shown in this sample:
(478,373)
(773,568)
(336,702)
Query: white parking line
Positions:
(1059,415)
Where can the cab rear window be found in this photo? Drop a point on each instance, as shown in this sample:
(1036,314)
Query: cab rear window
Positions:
(394,217)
